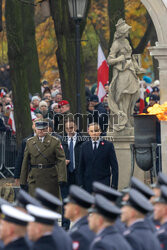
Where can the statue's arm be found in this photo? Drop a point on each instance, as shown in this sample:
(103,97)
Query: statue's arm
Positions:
(112,57)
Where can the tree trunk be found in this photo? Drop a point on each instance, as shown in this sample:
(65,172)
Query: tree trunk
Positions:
(19,80)
(66,53)
(30,49)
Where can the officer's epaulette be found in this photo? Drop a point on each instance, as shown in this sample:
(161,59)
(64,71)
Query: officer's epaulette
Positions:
(30,138)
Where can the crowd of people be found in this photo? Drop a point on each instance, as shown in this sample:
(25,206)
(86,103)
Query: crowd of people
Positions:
(135,218)
(58,162)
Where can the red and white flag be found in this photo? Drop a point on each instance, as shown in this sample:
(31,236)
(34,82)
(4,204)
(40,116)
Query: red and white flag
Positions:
(149,89)
(142,104)
(11,122)
(102,74)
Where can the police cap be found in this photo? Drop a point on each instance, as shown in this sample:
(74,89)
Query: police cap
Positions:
(43,215)
(79,196)
(15,216)
(2,202)
(48,200)
(108,192)
(161,180)
(23,199)
(41,124)
(141,187)
(163,197)
(104,207)
(138,202)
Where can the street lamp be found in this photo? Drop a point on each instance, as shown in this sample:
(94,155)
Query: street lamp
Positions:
(77,10)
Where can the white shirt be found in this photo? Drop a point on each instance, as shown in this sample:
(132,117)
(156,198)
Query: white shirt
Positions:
(97,143)
(42,138)
(74,142)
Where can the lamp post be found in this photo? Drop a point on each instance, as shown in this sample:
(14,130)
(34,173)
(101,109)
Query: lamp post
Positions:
(77,10)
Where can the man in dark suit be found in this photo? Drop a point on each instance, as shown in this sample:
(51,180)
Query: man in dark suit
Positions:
(72,146)
(97,161)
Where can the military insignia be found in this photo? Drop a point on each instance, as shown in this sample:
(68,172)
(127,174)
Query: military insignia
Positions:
(75,245)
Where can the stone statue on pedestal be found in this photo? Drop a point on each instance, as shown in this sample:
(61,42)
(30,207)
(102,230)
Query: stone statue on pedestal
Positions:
(124,88)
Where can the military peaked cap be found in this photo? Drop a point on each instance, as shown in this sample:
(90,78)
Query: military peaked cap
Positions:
(138,202)
(104,207)
(79,196)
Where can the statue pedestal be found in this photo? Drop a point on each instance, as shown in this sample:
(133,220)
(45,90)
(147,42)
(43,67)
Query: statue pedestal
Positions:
(123,152)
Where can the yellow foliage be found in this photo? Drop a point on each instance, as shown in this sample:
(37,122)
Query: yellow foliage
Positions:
(46,46)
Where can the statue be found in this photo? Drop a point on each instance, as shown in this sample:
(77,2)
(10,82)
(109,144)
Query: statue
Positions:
(124,88)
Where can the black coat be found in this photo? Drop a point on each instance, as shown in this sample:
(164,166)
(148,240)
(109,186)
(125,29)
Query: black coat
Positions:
(19,158)
(110,239)
(61,238)
(98,166)
(45,243)
(81,235)
(141,237)
(18,244)
(80,139)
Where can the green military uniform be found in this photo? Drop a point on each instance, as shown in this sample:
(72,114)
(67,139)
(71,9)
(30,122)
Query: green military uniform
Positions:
(51,155)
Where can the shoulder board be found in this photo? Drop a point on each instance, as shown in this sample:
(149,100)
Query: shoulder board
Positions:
(54,137)
(30,138)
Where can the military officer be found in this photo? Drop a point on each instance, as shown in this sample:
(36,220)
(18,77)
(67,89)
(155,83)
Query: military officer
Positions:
(76,207)
(13,228)
(139,234)
(44,162)
(101,220)
(160,214)
(40,231)
(62,239)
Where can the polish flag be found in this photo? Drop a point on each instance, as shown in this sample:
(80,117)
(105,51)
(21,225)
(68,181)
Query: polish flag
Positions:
(3,93)
(102,74)
(149,89)
(142,104)
(11,122)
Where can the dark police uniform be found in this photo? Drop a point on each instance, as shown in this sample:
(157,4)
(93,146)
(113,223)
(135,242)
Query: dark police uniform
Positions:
(45,243)
(98,165)
(19,244)
(62,239)
(112,195)
(19,219)
(80,233)
(162,232)
(47,164)
(148,193)
(139,234)
(109,237)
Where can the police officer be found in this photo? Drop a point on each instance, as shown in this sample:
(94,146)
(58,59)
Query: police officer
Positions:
(160,214)
(101,221)
(76,207)
(40,231)
(139,234)
(148,193)
(62,239)
(44,162)
(13,228)
(112,195)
